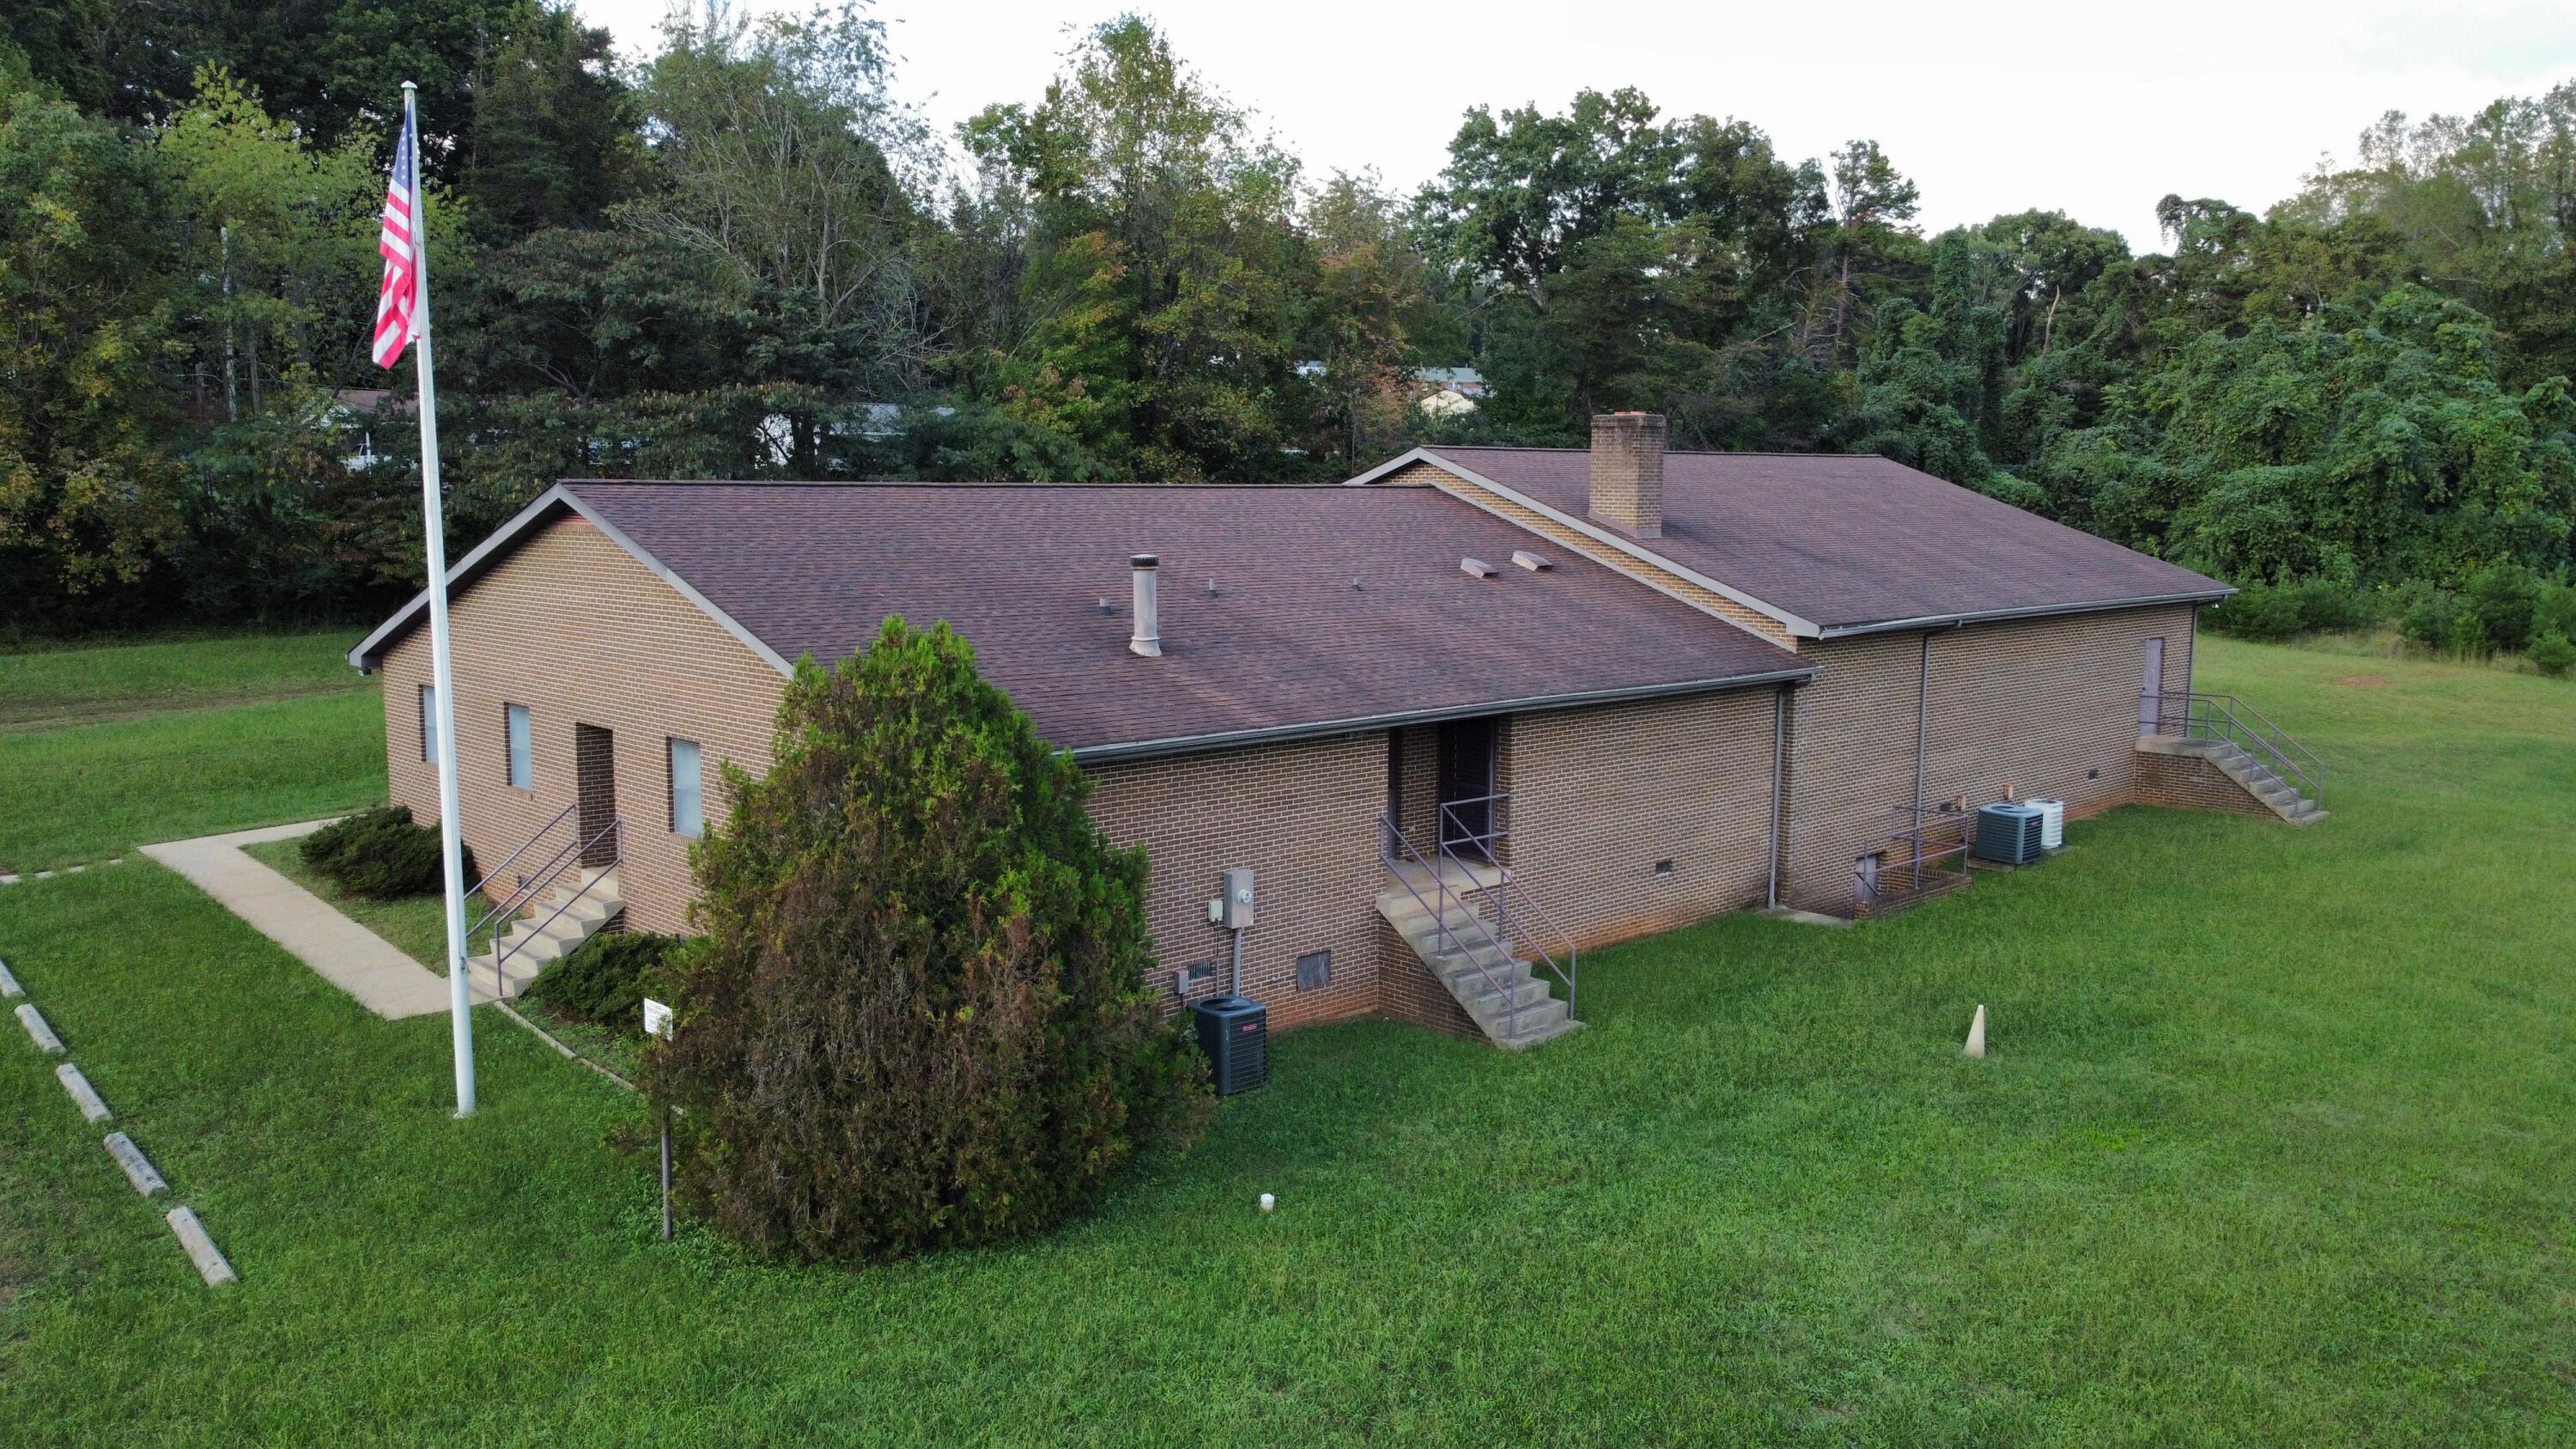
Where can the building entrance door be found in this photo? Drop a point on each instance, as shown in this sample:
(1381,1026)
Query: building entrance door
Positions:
(1466,779)
(594,759)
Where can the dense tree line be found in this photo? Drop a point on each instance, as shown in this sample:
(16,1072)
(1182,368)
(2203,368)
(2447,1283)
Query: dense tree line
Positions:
(745,256)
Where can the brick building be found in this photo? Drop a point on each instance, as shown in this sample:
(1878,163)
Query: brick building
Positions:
(1471,713)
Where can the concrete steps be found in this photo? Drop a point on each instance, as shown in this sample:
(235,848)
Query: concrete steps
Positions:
(1511,1004)
(2277,795)
(553,927)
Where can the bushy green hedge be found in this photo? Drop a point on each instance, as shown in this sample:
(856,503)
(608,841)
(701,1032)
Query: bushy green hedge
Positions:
(919,1017)
(2283,611)
(607,979)
(381,854)
(2552,654)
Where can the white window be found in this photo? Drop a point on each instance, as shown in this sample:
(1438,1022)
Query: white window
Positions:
(523,768)
(688,810)
(428,722)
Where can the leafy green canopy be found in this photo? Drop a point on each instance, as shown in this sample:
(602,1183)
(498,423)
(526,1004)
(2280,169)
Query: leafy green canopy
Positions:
(919,1018)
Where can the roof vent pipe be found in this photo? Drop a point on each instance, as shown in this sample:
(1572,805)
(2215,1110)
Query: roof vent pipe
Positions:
(1148,639)
(1628,472)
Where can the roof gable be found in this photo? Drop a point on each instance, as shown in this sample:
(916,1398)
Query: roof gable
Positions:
(1839,544)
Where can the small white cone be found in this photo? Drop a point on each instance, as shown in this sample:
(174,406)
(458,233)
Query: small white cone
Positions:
(1977,1033)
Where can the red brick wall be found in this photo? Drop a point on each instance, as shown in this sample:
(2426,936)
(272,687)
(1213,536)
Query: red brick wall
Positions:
(573,627)
(1599,795)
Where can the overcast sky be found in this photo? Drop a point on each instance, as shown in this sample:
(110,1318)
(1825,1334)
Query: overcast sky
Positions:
(2093,109)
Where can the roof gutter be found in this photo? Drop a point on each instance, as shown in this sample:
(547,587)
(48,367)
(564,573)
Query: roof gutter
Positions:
(2035,611)
(1277,734)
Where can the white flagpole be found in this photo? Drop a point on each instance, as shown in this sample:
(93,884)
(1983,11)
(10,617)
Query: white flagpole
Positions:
(442,672)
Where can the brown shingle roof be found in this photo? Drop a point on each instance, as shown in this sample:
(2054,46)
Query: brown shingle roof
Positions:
(1845,541)
(1286,644)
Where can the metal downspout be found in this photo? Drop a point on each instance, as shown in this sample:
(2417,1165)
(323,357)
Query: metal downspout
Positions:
(1922,751)
(1779,737)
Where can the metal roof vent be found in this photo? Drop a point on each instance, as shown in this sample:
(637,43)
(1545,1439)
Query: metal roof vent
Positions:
(1475,568)
(1535,563)
(1148,638)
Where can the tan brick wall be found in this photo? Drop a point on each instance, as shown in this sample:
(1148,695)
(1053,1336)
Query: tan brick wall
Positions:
(1627,458)
(1408,991)
(2188,782)
(1304,817)
(573,627)
(1707,601)
(2039,707)
(2048,707)
(1599,795)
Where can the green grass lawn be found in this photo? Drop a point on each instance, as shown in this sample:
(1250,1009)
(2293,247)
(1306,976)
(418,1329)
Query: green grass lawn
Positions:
(92,791)
(2276,1144)
(175,739)
(52,687)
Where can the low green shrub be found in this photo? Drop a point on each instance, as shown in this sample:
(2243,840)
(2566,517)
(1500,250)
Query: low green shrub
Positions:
(2257,611)
(2556,611)
(607,978)
(2429,615)
(2505,597)
(2332,606)
(381,854)
(2552,654)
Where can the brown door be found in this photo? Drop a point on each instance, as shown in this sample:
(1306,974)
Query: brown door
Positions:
(594,758)
(1466,779)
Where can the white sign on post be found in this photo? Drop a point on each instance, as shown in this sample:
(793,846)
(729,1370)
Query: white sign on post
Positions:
(657,1018)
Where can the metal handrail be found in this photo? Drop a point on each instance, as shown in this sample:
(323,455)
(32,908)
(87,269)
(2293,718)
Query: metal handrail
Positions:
(2223,717)
(541,832)
(1390,831)
(500,957)
(1498,832)
(529,885)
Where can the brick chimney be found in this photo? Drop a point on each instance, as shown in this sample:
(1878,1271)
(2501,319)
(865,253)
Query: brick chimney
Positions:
(1628,472)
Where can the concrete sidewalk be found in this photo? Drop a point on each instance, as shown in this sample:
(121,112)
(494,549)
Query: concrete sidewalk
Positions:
(346,954)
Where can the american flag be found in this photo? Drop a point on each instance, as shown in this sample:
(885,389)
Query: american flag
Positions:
(395,304)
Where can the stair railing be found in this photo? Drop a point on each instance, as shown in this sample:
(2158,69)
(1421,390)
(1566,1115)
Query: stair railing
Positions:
(541,833)
(498,921)
(1398,852)
(2225,719)
(1489,842)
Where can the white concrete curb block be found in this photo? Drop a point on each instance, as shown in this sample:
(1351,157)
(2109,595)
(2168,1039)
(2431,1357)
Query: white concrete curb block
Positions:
(201,1249)
(84,1096)
(9,984)
(138,1168)
(37,1032)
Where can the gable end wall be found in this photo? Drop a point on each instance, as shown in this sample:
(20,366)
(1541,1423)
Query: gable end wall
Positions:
(570,625)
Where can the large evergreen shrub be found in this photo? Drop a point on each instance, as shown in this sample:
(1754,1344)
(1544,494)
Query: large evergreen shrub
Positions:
(606,978)
(381,854)
(919,1017)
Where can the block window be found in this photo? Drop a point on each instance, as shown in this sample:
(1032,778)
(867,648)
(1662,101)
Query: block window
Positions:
(688,810)
(1315,971)
(428,723)
(523,767)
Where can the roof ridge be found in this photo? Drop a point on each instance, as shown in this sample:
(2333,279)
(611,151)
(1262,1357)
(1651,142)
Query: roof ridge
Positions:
(1334,487)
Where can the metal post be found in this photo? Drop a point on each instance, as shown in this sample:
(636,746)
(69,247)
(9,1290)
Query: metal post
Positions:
(1779,738)
(666,1172)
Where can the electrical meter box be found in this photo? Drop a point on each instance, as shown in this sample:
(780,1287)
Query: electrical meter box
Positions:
(1238,900)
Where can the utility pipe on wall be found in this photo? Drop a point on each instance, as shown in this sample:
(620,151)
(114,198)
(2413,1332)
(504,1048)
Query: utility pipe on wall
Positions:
(1779,740)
